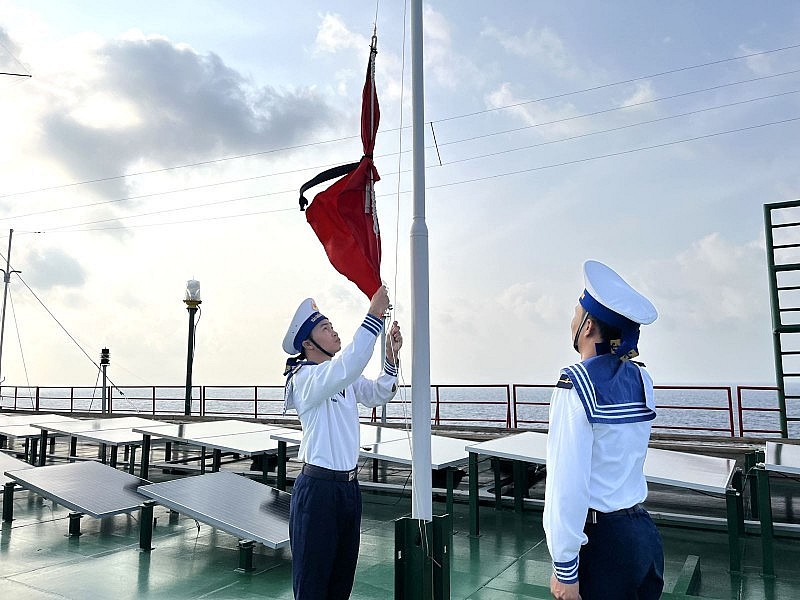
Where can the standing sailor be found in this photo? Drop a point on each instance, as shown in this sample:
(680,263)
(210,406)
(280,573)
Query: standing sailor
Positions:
(325,512)
(602,542)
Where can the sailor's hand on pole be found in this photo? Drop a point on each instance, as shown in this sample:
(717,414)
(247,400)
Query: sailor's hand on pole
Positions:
(394,341)
(379,303)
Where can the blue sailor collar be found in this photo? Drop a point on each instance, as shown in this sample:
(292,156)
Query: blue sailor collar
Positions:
(610,390)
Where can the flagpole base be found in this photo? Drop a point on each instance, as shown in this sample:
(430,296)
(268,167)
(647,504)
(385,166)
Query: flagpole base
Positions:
(422,558)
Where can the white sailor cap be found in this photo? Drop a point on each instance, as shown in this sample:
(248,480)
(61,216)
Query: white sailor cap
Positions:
(609,298)
(305,319)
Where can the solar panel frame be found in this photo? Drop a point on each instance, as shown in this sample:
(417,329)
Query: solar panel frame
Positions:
(9,463)
(232,503)
(87,487)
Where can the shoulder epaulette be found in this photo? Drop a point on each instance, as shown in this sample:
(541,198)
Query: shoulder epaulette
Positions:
(564,382)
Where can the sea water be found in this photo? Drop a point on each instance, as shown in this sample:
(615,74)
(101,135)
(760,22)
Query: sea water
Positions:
(700,411)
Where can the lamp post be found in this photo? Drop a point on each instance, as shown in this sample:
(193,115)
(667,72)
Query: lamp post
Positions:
(105,360)
(192,300)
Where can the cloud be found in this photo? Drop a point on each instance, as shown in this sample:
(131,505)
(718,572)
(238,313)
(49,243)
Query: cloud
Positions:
(51,268)
(170,105)
(333,35)
(643,93)
(8,53)
(526,302)
(542,46)
(760,65)
(450,68)
(711,282)
(534,113)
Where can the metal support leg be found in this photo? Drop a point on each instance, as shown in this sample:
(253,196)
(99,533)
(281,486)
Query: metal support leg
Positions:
(498,484)
(765,516)
(474,501)
(8,502)
(735,524)
(245,556)
(34,458)
(281,466)
(42,448)
(264,468)
(73,447)
(202,460)
(750,461)
(216,460)
(75,524)
(449,474)
(114,452)
(168,451)
(146,525)
(53,445)
(132,458)
(520,484)
(145,468)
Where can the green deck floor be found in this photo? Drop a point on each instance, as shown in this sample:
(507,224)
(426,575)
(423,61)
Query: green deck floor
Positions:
(508,561)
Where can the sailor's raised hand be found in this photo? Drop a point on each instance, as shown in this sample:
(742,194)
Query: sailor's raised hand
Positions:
(394,341)
(379,302)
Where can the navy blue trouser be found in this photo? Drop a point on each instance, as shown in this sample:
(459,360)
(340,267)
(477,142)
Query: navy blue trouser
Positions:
(623,559)
(324,533)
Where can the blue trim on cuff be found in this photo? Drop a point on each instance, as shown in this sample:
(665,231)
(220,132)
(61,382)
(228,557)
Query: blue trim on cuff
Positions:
(566,572)
(389,368)
(372,324)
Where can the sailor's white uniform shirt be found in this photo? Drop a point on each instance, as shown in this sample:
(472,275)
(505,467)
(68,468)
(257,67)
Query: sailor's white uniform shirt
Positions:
(589,465)
(326,395)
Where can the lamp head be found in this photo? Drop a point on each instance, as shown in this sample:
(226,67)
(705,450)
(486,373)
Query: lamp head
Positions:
(192,298)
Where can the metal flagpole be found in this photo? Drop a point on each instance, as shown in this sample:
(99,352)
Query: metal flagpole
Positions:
(6,279)
(421,492)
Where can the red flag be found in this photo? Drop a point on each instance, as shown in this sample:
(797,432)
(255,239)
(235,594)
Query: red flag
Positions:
(344,216)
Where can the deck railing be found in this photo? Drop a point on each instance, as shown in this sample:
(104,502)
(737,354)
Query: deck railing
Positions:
(706,410)
(770,416)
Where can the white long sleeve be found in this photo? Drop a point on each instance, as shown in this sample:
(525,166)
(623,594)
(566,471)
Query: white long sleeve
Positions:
(326,396)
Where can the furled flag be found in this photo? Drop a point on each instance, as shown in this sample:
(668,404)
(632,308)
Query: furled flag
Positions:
(344,216)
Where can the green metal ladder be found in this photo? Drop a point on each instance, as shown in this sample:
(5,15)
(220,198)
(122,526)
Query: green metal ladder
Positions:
(784,287)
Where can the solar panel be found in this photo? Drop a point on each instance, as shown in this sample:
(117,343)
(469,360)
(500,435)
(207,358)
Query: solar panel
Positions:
(529,446)
(445,451)
(691,471)
(369,435)
(80,426)
(249,443)
(19,431)
(187,431)
(111,437)
(34,418)
(782,457)
(85,487)
(235,504)
(9,463)
(374,434)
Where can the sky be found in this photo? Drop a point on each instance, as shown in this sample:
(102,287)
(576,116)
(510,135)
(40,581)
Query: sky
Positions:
(159,142)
